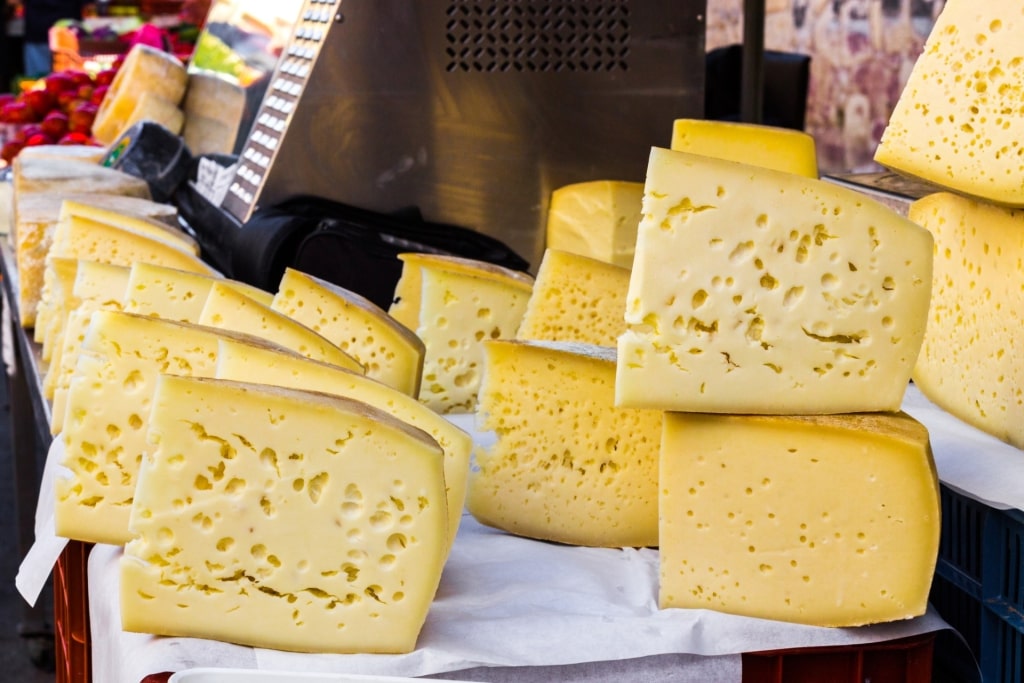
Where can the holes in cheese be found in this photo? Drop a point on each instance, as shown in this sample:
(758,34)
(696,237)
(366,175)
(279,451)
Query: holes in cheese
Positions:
(596,219)
(318,526)
(756,291)
(454,304)
(567,465)
(390,353)
(971,360)
(955,122)
(827,521)
(782,149)
(576,298)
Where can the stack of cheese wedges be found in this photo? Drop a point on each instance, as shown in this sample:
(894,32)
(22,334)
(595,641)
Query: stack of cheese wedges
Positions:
(955,126)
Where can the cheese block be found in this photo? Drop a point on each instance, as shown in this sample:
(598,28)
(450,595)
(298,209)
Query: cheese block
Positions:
(567,465)
(972,362)
(390,353)
(227,308)
(782,149)
(60,276)
(54,175)
(88,153)
(319,530)
(955,123)
(176,294)
(213,107)
(826,520)
(456,304)
(597,218)
(108,403)
(269,365)
(576,298)
(758,291)
(147,74)
(152,107)
(112,214)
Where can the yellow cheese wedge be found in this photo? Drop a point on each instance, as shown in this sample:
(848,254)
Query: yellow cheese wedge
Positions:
(269,365)
(177,294)
(971,362)
(757,291)
(782,149)
(390,353)
(60,278)
(827,521)
(112,213)
(457,303)
(576,298)
(108,403)
(597,219)
(227,308)
(567,466)
(322,529)
(955,124)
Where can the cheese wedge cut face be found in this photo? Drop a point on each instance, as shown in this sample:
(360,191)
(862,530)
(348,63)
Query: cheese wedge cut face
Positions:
(826,521)
(567,466)
(390,352)
(576,298)
(58,278)
(176,294)
(972,361)
(457,304)
(756,291)
(147,225)
(244,362)
(283,519)
(597,219)
(782,149)
(107,407)
(956,122)
(227,308)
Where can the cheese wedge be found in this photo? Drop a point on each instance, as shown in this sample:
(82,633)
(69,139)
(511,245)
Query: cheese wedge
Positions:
(60,274)
(88,153)
(177,294)
(782,149)
(269,365)
(826,521)
(213,107)
(321,529)
(757,291)
(567,465)
(227,308)
(162,226)
(457,303)
(597,219)
(972,362)
(390,353)
(576,298)
(955,123)
(108,403)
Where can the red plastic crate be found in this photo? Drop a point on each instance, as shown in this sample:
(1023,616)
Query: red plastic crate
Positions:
(71,614)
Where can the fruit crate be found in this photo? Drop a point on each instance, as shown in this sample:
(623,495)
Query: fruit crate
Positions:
(71,614)
(979,583)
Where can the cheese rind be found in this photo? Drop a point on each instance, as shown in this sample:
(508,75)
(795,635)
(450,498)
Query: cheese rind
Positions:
(971,362)
(567,465)
(826,521)
(781,149)
(597,219)
(955,123)
(756,291)
(297,521)
(576,298)
(389,351)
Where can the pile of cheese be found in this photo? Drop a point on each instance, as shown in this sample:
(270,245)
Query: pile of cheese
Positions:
(955,126)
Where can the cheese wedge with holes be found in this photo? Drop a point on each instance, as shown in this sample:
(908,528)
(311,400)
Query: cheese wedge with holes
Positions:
(972,361)
(107,407)
(456,304)
(161,225)
(757,291)
(597,218)
(956,122)
(782,149)
(567,465)
(268,365)
(227,308)
(576,298)
(177,294)
(60,274)
(390,353)
(297,521)
(826,520)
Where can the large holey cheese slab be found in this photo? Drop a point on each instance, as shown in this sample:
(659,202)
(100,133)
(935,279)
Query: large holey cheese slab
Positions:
(107,406)
(757,291)
(957,121)
(283,519)
(827,520)
(972,359)
(567,465)
(267,364)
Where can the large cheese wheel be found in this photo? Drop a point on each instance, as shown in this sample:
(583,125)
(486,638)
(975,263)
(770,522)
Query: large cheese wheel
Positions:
(146,71)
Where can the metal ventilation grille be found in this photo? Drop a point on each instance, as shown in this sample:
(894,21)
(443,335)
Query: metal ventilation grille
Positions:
(530,35)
